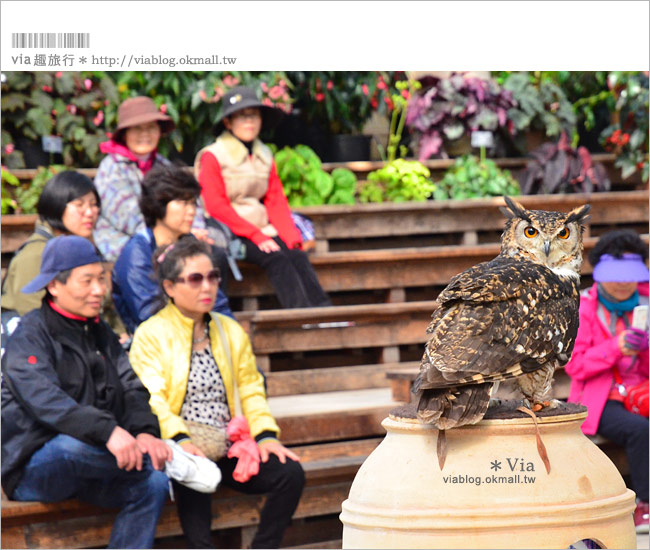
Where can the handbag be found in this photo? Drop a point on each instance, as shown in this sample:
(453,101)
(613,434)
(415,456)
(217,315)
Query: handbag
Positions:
(212,441)
(635,398)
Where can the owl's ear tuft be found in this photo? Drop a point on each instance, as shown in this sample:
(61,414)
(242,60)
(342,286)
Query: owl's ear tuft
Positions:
(514,210)
(579,214)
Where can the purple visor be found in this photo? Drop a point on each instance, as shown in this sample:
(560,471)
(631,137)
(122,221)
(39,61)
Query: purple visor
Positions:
(627,269)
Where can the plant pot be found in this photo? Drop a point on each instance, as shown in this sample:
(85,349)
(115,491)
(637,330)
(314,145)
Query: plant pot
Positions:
(348,148)
(458,147)
(400,498)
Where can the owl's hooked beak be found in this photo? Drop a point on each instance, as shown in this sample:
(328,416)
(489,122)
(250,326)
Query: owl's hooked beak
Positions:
(547,247)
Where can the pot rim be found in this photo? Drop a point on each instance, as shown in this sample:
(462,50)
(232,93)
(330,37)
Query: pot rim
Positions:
(525,421)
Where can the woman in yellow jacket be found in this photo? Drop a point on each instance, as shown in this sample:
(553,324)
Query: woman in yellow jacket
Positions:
(180,357)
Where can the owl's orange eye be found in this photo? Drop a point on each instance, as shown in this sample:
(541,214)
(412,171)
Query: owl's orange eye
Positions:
(564,233)
(530,232)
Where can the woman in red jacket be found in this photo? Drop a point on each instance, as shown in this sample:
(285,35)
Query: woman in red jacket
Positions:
(607,347)
(241,188)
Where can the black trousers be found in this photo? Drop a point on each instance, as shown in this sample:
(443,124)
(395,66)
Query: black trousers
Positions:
(291,274)
(630,431)
(282,482)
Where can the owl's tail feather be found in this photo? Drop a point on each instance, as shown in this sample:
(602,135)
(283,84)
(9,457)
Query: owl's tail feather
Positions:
(447,408)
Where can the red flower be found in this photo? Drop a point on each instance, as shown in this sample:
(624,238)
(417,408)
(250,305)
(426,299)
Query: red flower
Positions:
(364,89)
(59,74)
(99,118)
(9,148)
(381,85)
(72,109)
(330,84)
(109,135)
(405,94)
(639,165)
(264,87)
(389,102)
(276,92)
(319,97)
(88,83)
(163,108)
(53,112)
(373,102)
(46,88)
(318,84)
(625,138)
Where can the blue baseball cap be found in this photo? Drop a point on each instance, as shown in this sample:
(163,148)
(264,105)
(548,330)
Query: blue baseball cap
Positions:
(60,254)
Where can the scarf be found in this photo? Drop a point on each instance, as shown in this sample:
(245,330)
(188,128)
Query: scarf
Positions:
(113,148)
(617,308)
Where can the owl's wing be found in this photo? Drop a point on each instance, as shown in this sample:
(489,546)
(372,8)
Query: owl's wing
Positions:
(497,320)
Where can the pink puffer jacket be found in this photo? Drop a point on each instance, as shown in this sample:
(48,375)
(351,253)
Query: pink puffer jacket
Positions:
(594,354)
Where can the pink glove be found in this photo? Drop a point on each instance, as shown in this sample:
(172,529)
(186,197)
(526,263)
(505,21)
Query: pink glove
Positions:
(636,339)
(245,448)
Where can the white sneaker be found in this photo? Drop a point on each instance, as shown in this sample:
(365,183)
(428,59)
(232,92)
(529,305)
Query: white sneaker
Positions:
(195,472)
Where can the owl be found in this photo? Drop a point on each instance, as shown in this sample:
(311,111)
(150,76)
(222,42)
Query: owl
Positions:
(515,316)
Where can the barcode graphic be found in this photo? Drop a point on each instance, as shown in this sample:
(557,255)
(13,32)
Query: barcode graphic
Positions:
(50,40)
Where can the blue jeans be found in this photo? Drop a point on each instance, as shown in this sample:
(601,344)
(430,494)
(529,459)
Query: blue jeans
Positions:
(68,468)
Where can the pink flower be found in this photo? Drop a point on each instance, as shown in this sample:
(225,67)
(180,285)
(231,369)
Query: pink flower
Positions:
(276,92)
(203,95)
(72,109)
(53,112)
(319,96)
(106,103)
(264,87)
(99,118)
(88,83)
(405,94)
(163,108)
(330,84)
(230,80)
(59,74)
(266,101)
(364,89)
(46,88)
(282,83)
(381,85)
(9,148)
(109,135)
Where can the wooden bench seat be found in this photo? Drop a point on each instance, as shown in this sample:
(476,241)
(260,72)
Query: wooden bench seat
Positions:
(469,218)
(329,471)
(385,326)
(392,270)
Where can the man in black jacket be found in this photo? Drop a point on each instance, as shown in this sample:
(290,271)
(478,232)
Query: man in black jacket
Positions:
(76,421)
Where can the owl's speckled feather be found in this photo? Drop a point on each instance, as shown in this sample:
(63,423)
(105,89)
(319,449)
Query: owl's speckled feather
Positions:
(514,316)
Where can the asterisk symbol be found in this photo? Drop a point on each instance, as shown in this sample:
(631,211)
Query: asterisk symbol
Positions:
(496,465)
(82,59)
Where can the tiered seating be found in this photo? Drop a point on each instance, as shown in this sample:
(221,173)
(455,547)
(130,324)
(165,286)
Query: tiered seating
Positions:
(326,368)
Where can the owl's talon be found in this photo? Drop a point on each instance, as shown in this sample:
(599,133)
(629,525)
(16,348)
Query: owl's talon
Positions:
(526,403)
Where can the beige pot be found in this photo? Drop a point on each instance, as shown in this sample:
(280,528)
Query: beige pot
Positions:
(401,499)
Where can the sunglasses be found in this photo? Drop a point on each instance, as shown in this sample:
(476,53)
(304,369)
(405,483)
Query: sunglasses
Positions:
(196,279)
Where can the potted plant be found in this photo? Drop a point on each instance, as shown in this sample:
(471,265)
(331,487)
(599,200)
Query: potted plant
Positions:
(341,102)
(559,168)
(307,184)
(627,136)
(541,110)
(399,180)
(450,108)
(472,177)
(70,105)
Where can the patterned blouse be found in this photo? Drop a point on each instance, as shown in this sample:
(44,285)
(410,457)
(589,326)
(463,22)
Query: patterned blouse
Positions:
(205,398)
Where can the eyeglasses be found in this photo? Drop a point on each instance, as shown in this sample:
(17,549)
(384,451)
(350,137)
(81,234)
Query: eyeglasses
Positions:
(196,279)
